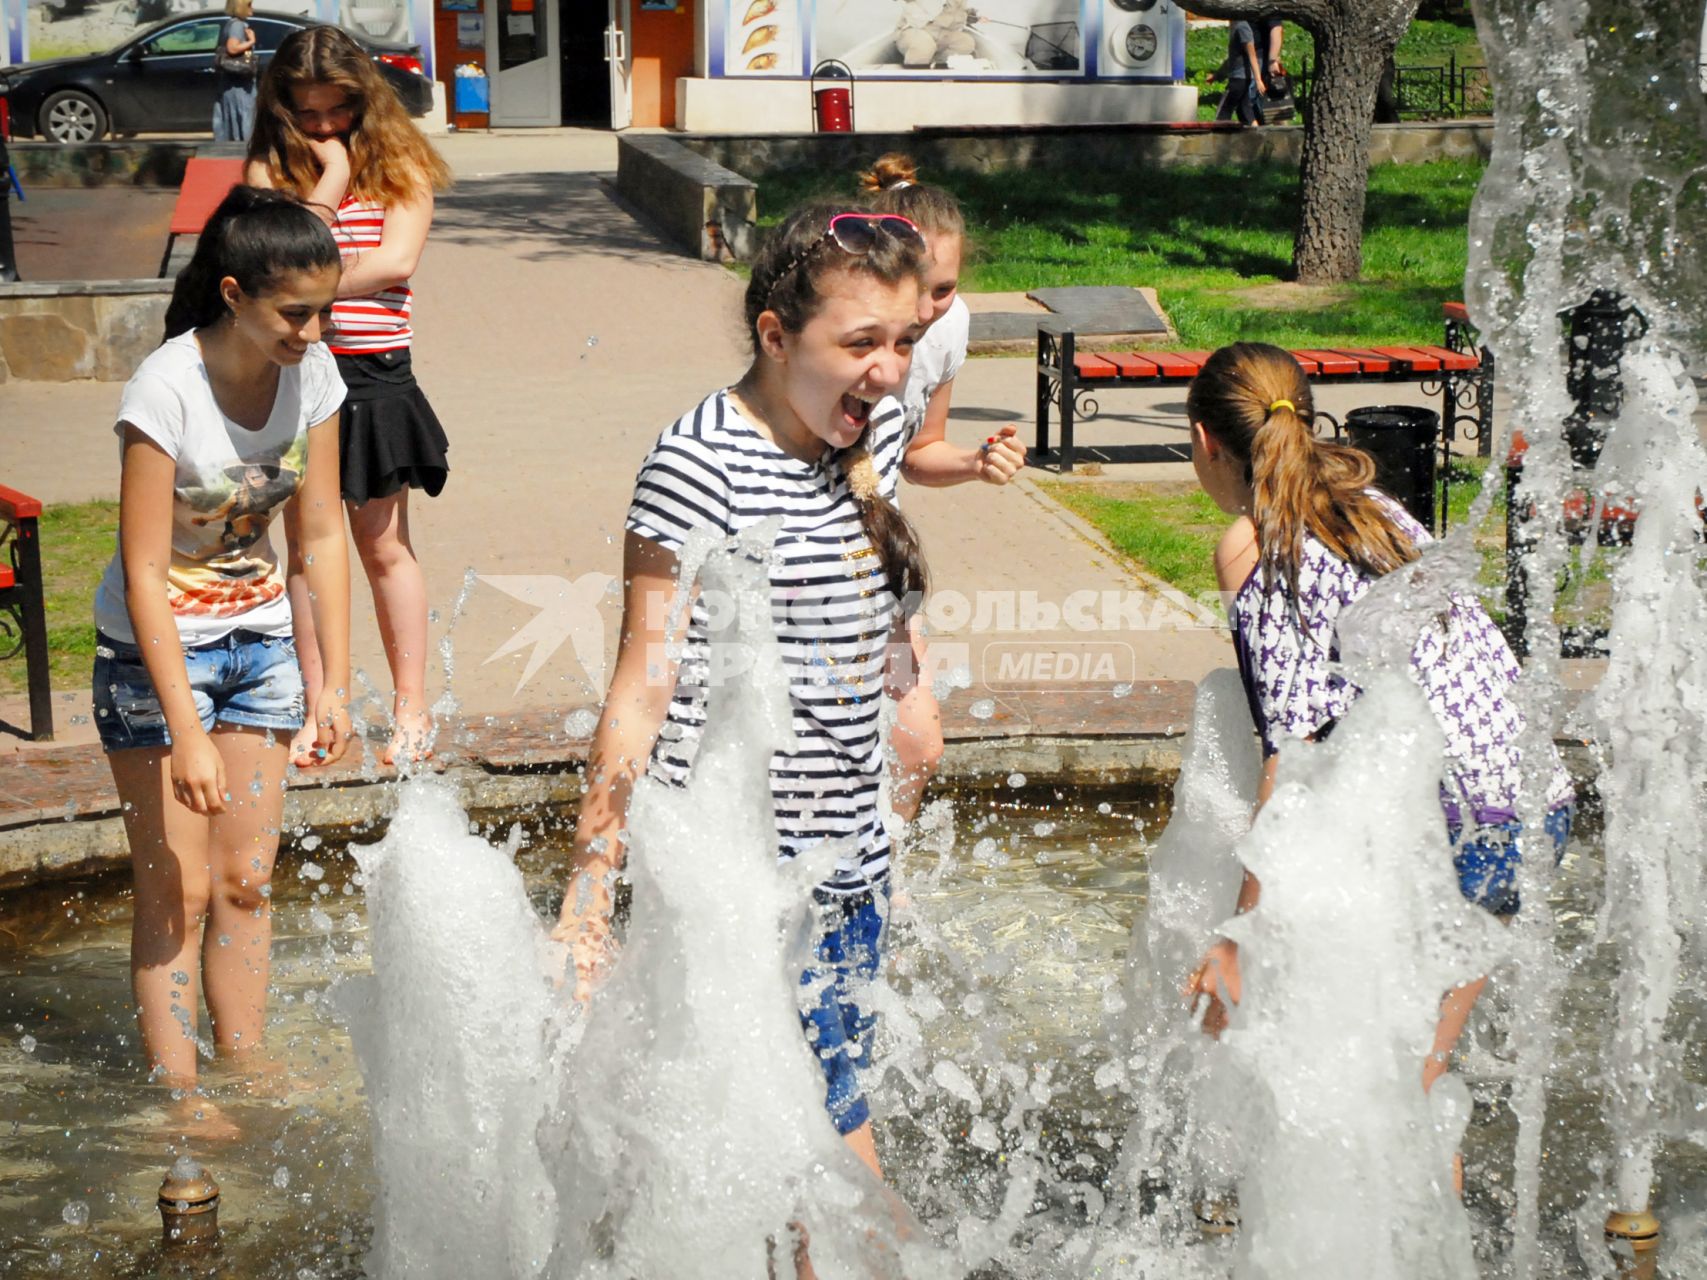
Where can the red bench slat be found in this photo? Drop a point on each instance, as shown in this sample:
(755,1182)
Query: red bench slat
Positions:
(8,578)
(18,506)
(1090,366)
(1309,364)
(206,182)
(1455,311)
(1415,360)
(1455,361)
(1131,365)
(1178,364)
(1368,361)
(1332,363)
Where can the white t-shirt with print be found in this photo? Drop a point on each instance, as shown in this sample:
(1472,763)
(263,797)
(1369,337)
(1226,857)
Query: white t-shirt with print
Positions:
(224,575)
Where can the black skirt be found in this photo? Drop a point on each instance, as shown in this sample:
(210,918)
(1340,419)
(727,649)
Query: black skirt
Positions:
(388,435)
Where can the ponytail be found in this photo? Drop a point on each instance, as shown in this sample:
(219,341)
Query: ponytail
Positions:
(892,186)
(1255,401)
(890,533)
(256,236)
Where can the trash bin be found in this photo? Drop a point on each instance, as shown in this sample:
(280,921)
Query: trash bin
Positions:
(1401,438)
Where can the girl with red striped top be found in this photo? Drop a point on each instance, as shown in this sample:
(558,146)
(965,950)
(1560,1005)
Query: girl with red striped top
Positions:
(329,128)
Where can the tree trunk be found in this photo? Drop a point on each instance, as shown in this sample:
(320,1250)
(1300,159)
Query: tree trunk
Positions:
(1334,176)
(1354,40)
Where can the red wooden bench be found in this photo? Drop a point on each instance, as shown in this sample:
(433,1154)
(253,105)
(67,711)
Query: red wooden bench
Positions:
(1458,370)
(23,617)
(206,183)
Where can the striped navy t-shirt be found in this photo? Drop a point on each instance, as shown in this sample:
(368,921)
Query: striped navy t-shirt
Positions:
(830,604)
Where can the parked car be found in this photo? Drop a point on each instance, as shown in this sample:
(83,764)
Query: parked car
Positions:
(161,79)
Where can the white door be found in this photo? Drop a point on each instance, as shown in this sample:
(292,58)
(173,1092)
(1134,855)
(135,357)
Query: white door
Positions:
(618,55)
(522,61)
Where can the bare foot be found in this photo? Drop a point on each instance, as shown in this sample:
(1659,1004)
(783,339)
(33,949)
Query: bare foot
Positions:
(195,1118)
(412,735)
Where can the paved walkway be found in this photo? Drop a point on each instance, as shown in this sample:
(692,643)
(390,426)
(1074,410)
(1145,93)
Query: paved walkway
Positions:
(557,336)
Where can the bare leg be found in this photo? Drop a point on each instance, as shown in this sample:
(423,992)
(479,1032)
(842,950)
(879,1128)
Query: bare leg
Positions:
(302,627)
(1455,1008)
(381,530)
(242,844)
(168,856)
(865,1147)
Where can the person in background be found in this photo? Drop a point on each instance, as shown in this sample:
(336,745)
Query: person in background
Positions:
(330,129)
(1271,35)
(234,104)
(932,460)
(1243,74)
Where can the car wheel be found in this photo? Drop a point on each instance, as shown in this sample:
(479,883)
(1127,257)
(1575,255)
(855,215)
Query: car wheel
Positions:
(71,116)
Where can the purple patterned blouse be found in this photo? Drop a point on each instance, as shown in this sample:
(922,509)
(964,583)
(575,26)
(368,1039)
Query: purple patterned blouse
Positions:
(1288,661)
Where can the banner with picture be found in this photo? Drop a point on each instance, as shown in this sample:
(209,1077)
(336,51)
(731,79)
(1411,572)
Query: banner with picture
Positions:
(950,39)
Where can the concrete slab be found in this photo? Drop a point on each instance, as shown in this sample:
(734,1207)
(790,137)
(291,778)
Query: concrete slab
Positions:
(1104,309)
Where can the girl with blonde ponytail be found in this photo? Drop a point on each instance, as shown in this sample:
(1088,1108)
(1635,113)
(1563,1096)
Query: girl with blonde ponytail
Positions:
(1309,537)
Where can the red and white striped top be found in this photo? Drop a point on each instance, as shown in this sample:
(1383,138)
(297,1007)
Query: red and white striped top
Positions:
(380,321)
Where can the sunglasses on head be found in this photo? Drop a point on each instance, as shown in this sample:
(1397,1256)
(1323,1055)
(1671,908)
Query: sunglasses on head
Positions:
(855,233)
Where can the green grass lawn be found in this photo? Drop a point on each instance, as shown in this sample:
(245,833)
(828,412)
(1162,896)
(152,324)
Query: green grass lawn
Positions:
(1168,530)
(77,540)
(1213,242)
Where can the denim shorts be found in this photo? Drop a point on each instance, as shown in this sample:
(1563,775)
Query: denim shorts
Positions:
(240,679)
(838,1026)
(1486,858)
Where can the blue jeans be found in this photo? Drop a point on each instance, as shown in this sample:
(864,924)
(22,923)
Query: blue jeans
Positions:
(240,679)
(1487,860)
(839,1028)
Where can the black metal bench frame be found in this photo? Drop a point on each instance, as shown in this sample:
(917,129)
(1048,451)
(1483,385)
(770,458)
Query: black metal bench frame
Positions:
(1466,396)
(23,613)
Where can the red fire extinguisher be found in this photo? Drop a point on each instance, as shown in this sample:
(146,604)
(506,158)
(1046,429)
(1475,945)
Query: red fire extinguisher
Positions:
(832,109)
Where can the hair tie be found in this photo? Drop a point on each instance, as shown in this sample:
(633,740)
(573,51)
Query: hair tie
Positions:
(899,184)
(861,474)
(1283,404)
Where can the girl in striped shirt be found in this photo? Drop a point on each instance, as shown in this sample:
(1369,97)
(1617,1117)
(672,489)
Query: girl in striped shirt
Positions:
(832,310)
(329,128)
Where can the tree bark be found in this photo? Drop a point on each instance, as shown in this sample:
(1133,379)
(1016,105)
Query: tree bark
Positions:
(1354,39)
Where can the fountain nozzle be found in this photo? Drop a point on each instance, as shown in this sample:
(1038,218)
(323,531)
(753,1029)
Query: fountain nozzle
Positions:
(189,1204)
(1639,1235)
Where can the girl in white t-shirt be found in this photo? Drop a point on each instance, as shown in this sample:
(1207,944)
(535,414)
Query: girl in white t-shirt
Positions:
(932,459)
(196,683)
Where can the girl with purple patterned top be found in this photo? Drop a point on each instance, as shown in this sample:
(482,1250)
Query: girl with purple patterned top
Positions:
(1309,538)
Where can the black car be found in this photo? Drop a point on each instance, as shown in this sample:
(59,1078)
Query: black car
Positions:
(161,79)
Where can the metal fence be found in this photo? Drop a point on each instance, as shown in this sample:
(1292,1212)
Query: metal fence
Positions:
(1450,91)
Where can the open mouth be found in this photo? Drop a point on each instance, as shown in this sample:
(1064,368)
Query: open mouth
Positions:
(856,410)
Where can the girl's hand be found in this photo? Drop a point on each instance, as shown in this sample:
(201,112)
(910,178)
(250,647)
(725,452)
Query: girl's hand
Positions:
(198,773)
(584,926)
(330,154)
(1219,972)
(1001,457)
(332,730)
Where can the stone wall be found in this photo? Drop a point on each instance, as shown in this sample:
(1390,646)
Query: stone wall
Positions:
(97,329)
(701,205)
(101,164)
(1071,147)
